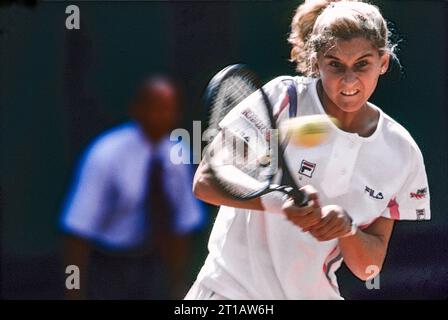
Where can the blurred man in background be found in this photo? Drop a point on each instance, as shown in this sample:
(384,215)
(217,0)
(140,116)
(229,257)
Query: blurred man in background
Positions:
(129,216)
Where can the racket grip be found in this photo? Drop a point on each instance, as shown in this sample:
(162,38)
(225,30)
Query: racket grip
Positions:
(300,198)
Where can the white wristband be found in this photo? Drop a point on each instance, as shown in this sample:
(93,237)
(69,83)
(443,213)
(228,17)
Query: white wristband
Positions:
(352,231)
(272,202)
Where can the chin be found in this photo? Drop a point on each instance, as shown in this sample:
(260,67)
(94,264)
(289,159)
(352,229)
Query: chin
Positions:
(350,106)
(349,109)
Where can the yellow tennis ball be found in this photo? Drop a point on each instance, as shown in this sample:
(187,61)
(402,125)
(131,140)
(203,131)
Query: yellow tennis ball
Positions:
(307,131)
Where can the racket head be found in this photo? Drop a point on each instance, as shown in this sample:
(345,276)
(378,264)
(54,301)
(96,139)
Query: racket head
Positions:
(245,156)
(239,158)
(219,101)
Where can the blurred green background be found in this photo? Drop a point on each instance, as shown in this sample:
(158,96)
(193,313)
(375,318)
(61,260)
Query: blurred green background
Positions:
(59,88)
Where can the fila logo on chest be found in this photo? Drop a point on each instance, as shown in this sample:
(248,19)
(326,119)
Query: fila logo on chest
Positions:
(307,168)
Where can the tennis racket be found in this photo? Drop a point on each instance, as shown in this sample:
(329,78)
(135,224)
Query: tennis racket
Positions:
(245,155)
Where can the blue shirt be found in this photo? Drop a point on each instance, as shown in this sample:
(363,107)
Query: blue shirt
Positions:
(106,203)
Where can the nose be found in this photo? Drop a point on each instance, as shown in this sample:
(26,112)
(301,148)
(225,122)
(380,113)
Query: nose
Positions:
(349,77)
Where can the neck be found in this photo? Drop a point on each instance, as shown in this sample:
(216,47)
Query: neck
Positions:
(154,138)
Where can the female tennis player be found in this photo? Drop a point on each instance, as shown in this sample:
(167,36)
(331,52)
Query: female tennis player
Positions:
(367,174)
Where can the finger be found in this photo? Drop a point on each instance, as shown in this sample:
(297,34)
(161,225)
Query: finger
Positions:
(314,215)
(310,220)
(321,222)
(306,225)
(302,222)
(314,203)
(324,230)
(336,232)
(333,234)
(312,193)
(328,234)
(291,209)
(339,233)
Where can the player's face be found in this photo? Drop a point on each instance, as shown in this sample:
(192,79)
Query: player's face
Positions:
(349,72)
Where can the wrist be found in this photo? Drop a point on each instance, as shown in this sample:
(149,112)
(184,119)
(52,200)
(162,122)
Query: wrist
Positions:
(353,230)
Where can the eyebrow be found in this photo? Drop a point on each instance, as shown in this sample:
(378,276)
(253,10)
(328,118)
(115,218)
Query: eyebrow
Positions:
(329,56)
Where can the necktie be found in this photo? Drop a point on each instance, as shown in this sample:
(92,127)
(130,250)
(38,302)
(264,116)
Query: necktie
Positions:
(159,208)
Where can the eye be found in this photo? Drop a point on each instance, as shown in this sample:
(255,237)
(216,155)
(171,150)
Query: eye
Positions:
(362,64)
(335,64)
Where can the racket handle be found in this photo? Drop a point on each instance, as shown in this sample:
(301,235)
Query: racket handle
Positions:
(300,198)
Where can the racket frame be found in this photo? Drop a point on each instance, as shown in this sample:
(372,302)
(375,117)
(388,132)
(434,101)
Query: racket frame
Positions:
(289,186)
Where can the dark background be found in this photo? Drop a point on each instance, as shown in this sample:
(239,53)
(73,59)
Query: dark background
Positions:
(59,88)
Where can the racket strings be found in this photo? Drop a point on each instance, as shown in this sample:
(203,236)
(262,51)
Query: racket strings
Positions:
(239,166)
(231,92)
(241,156)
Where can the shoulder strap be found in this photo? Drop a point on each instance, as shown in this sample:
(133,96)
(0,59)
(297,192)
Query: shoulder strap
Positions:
(292,95)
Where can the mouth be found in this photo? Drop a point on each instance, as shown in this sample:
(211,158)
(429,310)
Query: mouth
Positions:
(350,93)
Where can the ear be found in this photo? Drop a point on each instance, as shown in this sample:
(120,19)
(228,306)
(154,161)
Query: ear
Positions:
(384,62)
(315,69)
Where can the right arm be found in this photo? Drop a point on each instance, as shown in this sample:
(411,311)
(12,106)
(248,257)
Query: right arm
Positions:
(205,188)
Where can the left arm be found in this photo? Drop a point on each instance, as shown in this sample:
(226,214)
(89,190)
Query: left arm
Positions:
(365,248)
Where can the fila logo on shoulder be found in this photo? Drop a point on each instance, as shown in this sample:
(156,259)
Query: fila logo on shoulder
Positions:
(307,168)
(372,194)
(420,194)
(420,214)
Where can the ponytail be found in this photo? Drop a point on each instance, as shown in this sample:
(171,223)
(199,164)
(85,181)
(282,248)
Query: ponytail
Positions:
(301,27)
